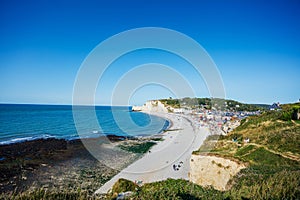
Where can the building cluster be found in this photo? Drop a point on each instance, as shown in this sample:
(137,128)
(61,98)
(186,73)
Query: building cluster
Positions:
(217,121)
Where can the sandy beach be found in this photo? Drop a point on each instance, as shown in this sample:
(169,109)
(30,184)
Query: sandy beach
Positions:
(169,158)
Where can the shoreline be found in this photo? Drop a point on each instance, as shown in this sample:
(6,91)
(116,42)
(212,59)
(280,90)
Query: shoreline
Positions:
(112,137)
(30,164)
(109,136)
(34,164)
(158,164)
(38,163)
(57,164)
(62,127)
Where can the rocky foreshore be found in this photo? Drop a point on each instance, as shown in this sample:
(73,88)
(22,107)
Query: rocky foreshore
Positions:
(52,164)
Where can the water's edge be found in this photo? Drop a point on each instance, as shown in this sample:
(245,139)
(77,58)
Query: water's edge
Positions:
(28,108)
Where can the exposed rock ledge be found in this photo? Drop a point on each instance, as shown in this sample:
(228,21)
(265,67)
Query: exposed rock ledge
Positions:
(211,170)
(151,106)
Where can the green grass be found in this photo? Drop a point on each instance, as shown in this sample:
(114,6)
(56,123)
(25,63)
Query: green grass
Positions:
(122,185)
(244,150)
(280,185)
(271,130)
(265,158)
(138,148)
(170,189)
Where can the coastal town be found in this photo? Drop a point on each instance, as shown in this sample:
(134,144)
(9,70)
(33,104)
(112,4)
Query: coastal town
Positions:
(218,121)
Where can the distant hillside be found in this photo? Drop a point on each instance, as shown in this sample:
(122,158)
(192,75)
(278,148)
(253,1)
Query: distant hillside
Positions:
(265,106)
(209,103)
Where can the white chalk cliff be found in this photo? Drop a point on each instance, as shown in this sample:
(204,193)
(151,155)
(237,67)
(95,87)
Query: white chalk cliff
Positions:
(211,170)
(151,106)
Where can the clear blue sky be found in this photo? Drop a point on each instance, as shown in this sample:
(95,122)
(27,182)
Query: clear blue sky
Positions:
(255,44)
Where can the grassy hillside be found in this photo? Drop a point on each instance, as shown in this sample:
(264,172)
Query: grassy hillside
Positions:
(169,189)
(224,104)
(273,155)
(274,130)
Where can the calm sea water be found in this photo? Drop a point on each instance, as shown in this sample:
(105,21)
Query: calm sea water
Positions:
(28,122)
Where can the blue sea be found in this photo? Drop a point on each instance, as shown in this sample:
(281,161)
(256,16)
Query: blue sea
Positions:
(20,122)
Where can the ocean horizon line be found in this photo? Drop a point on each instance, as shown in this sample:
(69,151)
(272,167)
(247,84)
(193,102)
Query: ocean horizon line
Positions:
(46,104)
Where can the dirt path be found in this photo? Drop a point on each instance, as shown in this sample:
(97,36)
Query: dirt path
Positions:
(285,155)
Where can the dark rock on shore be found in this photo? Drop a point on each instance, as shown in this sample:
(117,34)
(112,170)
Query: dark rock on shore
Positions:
(56,162)
(116,138)
(32,149)
(23,158)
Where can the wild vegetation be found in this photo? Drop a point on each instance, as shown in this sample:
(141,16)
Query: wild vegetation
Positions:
(169,189)
(208,103)
(138,147)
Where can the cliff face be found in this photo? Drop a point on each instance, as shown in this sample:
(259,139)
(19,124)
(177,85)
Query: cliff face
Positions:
(212,170)
(151,106)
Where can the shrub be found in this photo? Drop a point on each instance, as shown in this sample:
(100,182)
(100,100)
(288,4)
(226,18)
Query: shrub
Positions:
(286,115)
(124,185)
(138,148)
